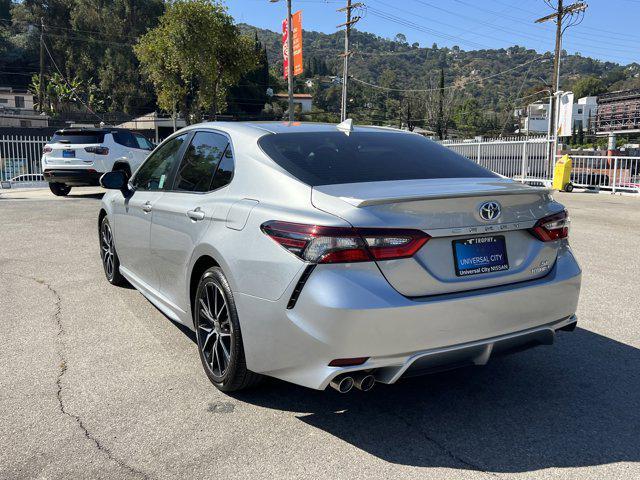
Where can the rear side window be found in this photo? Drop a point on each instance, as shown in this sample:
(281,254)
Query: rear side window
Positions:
(125,139)
(224,173)
(143,143)
(78,137)
(328,158)
(200,162)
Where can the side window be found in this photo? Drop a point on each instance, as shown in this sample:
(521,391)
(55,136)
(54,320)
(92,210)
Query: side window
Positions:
(142,142)
(154,172)
(125,138)
(200,162)
(224,174)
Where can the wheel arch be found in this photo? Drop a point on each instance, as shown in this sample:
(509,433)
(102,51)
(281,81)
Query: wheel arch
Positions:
(101,215)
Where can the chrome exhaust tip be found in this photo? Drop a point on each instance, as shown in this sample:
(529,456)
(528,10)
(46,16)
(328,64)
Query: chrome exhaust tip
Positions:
(342,384)
(365,382)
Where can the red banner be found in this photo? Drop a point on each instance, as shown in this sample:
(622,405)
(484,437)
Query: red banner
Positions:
(297,45)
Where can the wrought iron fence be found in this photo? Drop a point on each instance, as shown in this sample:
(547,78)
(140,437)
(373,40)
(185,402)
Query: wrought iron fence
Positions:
(20,159)
(520,158)
(614,173)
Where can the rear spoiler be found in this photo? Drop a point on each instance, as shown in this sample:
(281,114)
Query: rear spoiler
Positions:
(358,202)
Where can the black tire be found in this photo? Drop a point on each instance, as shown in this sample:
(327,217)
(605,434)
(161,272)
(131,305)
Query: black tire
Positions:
(109,256)
(568,187)
(218,334)
(59,189)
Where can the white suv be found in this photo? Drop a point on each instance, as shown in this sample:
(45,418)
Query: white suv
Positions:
(79,157)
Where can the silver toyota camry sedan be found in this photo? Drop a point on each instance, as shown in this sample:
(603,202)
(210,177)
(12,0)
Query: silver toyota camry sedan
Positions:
(337,255)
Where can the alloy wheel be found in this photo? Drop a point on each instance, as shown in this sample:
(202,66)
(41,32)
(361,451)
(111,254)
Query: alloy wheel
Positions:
(214,329)
(106,250)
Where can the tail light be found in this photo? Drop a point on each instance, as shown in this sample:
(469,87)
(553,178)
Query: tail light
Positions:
(553,227)
(318,244)
(46,149)
(97,150)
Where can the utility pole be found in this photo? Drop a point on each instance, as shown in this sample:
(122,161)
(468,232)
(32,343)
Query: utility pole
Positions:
(41,82)
(558,16)
(290,64)
(345,69)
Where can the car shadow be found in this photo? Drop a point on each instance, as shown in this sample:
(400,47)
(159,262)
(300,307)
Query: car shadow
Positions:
(571,405)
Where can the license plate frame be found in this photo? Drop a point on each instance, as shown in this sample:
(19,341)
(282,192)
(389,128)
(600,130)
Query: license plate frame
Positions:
(480,255)
(68,154)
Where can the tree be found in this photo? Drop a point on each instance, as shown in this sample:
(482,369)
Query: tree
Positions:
(588,86)
(468,117)
(439,106)
(193,56)
(250,94)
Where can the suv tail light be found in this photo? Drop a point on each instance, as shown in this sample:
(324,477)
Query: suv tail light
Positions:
(553,227)
(97,150)
(46,149)
(318,244)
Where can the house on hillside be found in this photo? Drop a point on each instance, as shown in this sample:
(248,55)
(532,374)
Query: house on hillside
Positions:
(535,117)
(17,109)
(303,100)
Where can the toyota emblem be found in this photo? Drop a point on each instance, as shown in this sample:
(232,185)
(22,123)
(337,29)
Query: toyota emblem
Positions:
(490,211)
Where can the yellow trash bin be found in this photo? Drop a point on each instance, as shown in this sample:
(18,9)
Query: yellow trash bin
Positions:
(562,174)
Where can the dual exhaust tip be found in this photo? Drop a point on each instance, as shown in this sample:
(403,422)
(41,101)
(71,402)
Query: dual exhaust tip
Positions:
(362,381)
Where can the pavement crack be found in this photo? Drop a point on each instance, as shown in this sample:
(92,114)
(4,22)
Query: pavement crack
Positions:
(447,451)
(59,381)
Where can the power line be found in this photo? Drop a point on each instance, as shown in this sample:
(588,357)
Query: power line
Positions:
(67,82)
(450,87)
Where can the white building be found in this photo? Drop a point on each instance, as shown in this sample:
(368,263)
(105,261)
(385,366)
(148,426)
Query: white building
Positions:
(161,126)
(536,115)
(304,100)
(17,109)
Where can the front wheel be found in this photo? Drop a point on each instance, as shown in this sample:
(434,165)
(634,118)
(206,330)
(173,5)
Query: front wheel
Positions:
(109,256)
(218,333)
(59,189)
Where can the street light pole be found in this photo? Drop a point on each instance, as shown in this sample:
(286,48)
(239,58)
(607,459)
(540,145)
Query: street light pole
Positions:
(290,63)
(290,58)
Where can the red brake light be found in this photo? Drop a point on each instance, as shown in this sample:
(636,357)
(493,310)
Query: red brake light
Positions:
(97,150)
(46,149)
(318,244)
(552,227)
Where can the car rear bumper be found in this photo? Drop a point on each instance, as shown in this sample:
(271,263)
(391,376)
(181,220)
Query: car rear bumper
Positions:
(349,311)
(73,177)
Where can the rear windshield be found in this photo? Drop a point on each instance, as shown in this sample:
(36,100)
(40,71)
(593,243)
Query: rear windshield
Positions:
(328,158)
(78,137)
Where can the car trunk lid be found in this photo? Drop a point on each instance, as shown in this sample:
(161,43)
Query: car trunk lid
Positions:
(449,211)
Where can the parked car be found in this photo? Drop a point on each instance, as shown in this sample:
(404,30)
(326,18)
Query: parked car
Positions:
(337,255)
(79,157)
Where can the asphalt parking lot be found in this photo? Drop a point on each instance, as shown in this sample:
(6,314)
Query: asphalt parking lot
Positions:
(97,383)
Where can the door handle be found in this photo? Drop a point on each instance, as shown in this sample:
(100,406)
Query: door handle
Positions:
(196,214)
(146,207)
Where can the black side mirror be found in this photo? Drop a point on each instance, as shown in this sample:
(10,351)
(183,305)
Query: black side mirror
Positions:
(116,180)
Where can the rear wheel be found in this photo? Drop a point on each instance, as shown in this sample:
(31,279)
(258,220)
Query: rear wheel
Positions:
(218,333)
(59,189)
(109,256)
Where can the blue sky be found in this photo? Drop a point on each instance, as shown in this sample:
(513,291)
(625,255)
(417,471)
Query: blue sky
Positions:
(610,29)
